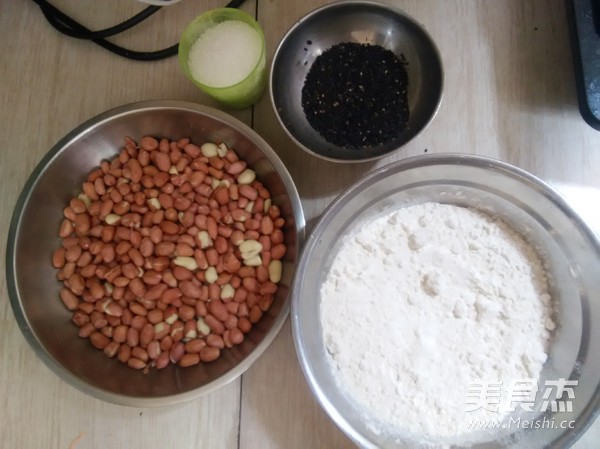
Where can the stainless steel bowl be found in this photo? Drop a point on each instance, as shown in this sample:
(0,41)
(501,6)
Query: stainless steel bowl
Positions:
(31,279)
(362,22)
(525,203)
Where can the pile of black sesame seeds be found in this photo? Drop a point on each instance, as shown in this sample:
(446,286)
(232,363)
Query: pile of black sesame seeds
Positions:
(355,95)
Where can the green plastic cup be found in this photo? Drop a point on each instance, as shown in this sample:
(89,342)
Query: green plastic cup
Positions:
(237,96)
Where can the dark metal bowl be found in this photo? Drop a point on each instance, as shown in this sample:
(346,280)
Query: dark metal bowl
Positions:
(33,236)
(362,22)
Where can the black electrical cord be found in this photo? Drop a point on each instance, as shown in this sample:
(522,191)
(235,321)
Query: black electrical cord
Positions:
(66,25)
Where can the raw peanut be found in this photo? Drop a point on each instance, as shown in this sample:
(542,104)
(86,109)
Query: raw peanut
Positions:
(248,192)
(209,354)
(189,360)
(84,259)
(107,331)
(267,288)
(244,325)
(66,228)
(194,346)
(124,353)
(236,336)
(155,316)
(133,337)
(148,143)
(82,224)
(231,264)
(164,249)
(266,225)
(183,249)
(136,363)
(162,361)
(162,161)
(176,352)
(80,318)
(155,292)
(120,333)
(190,330)
(215,325)
(218,309)
(170,295)
(190,289)
(98,340)
(277,236)
(265,302)
(161,331)
(182,274)
(113,309)
(75,284)
(214,292)
(186,313)
(135,170)
(136,257)
(69,299)
(170,315)
(278,251)
(215,341)
(262,274)
(86,330)
(146,334)
(146,247)
(73,253)
(69,213)
(122,247)
(250,284)
(139,353)
(77,205)
(111,349)
(153,350)
(255,314)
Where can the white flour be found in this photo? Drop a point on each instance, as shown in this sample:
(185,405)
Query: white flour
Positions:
(422,301)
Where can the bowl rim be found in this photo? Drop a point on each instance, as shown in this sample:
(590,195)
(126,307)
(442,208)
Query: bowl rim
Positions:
(23,199)
(592,408)
(351,3)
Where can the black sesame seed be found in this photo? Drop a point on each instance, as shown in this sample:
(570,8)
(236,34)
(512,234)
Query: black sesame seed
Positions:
(355,95)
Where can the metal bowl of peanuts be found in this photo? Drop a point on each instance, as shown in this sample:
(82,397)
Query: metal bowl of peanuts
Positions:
(151,253)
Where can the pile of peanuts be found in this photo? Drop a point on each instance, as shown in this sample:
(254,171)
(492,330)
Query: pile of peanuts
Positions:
(171,253)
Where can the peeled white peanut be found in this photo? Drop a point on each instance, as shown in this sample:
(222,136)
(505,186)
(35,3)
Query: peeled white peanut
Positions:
(255,261)
(250,248)
(86,199)
(209,149)
(227,291)
(205,240)
(202,326)
(247,176)
(211,275)
(186,262)
(221,150)
(275,269)
(154,203)
(112,219)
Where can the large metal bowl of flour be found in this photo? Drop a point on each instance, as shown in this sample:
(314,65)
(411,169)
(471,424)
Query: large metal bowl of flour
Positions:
(567,246)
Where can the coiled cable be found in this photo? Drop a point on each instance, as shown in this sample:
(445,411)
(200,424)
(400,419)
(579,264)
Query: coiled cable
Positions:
(70,27)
